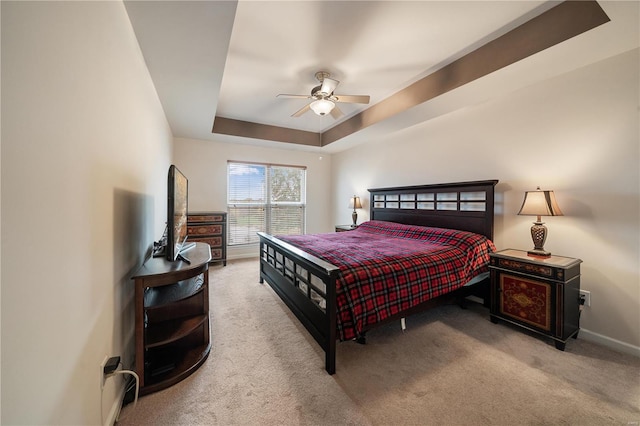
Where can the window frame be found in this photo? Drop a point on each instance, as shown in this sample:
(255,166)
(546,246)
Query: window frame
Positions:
(269,222)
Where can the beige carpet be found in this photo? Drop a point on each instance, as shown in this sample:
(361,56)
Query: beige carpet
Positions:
(451,367)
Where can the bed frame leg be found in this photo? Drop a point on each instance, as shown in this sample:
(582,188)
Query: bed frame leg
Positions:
(463,302)
(403,324)
(330,361)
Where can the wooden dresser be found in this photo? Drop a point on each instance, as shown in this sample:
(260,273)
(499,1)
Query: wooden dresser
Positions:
(210,228)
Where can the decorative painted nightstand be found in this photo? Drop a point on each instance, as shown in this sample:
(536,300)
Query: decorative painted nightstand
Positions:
(343,228)
(541,294)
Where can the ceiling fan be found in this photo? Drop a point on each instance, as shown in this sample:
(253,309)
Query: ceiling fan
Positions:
(324,100)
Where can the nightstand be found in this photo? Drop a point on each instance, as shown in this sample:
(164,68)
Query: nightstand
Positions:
(343,228)
(541,294)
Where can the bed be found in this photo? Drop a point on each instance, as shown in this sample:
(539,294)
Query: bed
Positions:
(341,285)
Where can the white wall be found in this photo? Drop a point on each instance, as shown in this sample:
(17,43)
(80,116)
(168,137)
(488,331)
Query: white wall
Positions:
(205,165)
(576,134)
(85,152)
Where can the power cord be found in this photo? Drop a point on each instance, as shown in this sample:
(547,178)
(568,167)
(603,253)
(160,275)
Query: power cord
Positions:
(135,398)
(110,369)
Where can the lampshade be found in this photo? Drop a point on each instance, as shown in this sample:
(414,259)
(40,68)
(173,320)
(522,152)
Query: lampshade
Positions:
(540,203)
(354,203)
(322,106)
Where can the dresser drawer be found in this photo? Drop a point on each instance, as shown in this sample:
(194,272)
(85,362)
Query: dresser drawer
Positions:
(216,254)
(206,218)
(214,242)
(197,230)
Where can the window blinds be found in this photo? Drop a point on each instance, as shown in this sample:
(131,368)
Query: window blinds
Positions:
(264,197)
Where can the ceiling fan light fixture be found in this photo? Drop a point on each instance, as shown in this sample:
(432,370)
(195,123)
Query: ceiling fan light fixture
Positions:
(322,106)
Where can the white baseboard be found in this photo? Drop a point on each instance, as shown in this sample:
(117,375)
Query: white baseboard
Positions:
(114,412)
(610,343)
(243,252)
(243,256)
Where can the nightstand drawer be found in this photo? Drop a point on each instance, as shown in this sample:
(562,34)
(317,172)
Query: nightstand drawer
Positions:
(555,268)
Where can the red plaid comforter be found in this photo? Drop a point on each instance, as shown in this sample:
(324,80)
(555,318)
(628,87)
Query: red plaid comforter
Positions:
(389,267)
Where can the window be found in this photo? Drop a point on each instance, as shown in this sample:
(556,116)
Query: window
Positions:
(264,197)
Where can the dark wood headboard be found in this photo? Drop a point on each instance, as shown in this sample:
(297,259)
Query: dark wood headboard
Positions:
(467,206)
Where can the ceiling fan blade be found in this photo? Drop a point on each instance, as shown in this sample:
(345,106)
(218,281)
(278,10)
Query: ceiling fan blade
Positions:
(329,85)
(286,95)
(302,110)
(336,112)
(352,99)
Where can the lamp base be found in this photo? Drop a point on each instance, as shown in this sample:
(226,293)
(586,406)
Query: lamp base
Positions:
(538,253)
(354,216)
(539,236)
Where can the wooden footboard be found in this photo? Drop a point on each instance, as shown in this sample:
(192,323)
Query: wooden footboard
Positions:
(307,285)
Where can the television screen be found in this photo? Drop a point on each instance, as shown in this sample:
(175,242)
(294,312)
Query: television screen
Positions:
(178,187)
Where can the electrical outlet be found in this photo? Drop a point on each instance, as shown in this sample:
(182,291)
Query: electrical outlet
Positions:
(586,295)
(109,366)
(102,375)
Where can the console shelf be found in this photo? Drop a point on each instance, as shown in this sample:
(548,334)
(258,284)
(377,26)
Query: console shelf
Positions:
(172,319)
(159,296)
(168,332)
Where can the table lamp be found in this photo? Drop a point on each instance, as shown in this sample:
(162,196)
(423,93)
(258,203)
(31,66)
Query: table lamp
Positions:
(354,203)
(539,203)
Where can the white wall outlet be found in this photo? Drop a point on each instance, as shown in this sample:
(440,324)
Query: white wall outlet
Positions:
(586,295)
(102,376)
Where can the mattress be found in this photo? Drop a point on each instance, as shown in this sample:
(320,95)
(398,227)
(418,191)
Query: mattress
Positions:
(387,268)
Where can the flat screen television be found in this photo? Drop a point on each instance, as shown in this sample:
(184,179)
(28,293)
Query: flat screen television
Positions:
(177,204)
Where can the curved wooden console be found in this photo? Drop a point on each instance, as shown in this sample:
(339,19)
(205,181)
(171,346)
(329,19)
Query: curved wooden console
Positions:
(172,318)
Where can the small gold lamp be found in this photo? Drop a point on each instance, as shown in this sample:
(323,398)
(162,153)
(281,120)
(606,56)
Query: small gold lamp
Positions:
(354,203)
(539,203)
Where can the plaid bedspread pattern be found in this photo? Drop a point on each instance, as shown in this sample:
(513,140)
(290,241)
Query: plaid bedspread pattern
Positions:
(388,267)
